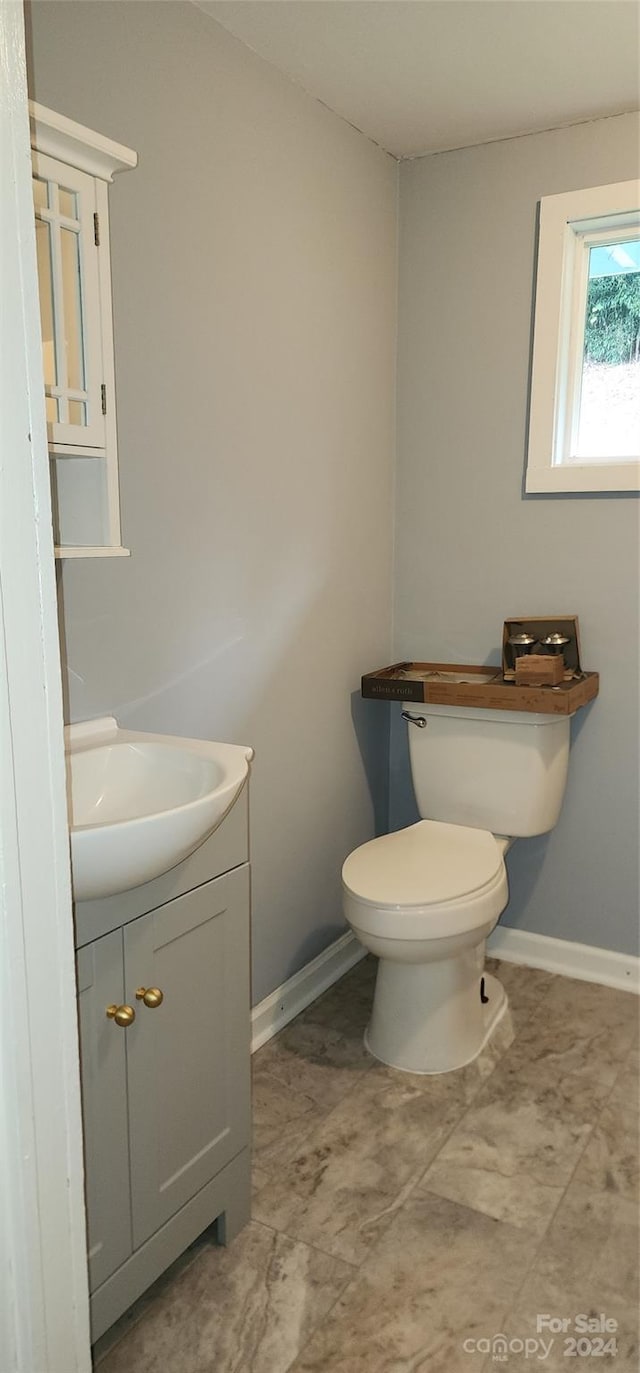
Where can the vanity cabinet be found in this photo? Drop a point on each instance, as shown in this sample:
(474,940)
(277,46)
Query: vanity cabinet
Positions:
(187,1065)
(103,1065)
(166,1097)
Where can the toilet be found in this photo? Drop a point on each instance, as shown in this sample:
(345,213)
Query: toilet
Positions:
(425,899)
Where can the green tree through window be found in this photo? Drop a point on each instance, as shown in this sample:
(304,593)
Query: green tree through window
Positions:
(612,328)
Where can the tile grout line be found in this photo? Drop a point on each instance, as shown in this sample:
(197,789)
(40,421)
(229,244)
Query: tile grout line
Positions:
(271,1071)
(307,1244)
(482,1083)
(588,1139)
(330,1309)
(417,1180)
(316,1124)
(367,1069)
(353,1274)
(325,1315)
(513,1307)
(543,1237)
(471,1103)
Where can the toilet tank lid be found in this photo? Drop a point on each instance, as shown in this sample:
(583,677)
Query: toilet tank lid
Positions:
(424,864)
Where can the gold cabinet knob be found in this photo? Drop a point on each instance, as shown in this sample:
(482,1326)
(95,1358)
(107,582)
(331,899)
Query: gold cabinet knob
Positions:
(152,996)
(123,1015)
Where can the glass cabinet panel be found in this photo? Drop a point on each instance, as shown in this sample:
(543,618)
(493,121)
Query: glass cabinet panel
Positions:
(70,305)
(77,412)
(67,201)
(45,283)
(40,197)
(72,308)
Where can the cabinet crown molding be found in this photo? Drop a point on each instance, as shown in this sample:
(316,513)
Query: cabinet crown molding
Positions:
(57,136)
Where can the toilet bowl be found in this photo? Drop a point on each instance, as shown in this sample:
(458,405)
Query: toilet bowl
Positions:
(424,900)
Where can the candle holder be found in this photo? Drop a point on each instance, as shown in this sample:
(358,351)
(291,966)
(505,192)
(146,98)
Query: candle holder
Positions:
(521,644)
(554,643)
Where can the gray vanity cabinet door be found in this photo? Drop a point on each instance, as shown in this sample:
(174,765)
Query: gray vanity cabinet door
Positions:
(188,1059)
(104,1106)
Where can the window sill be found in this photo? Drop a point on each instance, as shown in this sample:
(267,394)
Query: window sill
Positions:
(621,477)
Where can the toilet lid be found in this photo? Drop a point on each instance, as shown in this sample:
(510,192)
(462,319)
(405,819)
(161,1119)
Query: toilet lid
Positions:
(422,865)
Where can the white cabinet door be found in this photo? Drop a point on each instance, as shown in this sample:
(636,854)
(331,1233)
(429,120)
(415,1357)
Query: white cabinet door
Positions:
(104,1106)
(187,1058)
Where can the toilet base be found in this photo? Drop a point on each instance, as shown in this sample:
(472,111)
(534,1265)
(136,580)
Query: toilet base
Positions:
(430,1017)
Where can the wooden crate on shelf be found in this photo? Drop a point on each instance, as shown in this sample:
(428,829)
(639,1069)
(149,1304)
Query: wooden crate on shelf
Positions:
(478,686)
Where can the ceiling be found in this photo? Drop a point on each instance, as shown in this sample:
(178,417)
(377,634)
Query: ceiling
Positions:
(421,76)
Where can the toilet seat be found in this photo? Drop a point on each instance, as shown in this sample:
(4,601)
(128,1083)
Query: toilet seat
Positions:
(431,881)
(425,864)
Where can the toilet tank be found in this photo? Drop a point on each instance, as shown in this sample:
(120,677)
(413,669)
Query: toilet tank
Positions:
(498,770)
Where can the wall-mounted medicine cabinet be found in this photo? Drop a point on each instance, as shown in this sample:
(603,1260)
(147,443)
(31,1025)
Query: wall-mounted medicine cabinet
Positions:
(72,167)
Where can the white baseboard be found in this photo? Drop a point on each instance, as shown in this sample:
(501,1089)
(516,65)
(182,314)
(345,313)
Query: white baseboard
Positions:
(583,961)
(277,1009)
(561,956)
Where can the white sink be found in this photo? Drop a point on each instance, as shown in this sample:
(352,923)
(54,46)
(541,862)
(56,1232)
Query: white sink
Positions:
(140,803)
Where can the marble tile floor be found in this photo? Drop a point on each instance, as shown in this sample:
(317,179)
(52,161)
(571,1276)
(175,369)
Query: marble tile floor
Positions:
(401,1222)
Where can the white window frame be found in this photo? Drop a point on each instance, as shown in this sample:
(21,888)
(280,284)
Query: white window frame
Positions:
(570,224)
(86,162)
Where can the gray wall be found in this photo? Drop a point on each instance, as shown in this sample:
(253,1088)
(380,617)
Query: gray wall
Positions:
(470,548)
(254,289)
(254,273)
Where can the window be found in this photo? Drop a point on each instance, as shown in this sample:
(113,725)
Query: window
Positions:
(584,422)
(71,170)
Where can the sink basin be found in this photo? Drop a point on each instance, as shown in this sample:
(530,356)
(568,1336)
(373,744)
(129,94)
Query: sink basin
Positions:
(141,803)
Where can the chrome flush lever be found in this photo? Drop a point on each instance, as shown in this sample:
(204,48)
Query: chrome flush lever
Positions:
(418,720)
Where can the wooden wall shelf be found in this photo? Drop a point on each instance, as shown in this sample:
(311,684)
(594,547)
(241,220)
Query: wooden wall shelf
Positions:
(459,684)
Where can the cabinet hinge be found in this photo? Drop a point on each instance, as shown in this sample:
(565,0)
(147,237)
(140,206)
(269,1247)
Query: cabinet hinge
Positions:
(103,397)
(96,229)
